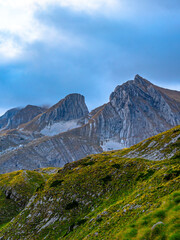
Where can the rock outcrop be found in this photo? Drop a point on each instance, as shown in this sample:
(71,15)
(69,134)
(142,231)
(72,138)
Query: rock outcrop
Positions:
(7,117)
(15,117)
(48,151)
(71,109)
(136,110)
(13,139)
(163,146)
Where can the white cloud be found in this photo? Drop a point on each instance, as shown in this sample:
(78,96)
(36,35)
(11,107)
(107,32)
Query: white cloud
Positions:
(9,48)
(19,27)
(90,5)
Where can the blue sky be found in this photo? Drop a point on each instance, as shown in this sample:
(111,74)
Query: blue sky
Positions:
(50,48)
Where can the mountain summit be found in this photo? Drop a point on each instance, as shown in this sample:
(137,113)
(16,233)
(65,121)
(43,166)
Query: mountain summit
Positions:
(66,132)
(136,110)
(64,115)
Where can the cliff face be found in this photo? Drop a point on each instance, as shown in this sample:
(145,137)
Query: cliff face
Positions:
(12,139)
(15,117)
(26,115)
(71,108)
(7,117)
(27,147)
(47,152)
(136,110)
(143,110)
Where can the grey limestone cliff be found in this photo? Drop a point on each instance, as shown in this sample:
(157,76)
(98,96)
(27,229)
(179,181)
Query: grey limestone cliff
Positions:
(7,117)
(47,152)
(72,107)
(136,110)
(15,117)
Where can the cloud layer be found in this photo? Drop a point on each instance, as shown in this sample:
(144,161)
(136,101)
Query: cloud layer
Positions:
(50,48)
(19,26)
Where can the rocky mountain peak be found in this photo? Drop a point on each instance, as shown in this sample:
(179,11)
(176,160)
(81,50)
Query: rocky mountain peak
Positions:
(131,90)
(57,118)
(140,80)
(143,84)
(73,106)
(135,107)
(125,92)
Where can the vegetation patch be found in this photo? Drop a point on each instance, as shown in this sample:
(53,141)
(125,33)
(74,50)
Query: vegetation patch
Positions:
(171,174)
(117,166)
(106,179)
(73,204)
(81,222)
(40,188)
(160,214)
(56,183)
(88,163)
(145,176)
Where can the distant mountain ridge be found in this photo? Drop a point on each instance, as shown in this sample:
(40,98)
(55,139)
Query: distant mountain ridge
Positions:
(17,116)
(67,131)
(7,117)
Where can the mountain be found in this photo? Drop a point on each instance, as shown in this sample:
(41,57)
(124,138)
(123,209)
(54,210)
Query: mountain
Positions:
(15,117)
(163,146)
(7,117)
(12,139)
(136,110)
(47,152)
(67,132)
(10,134)
(68,113)
(19,146)
(103,196)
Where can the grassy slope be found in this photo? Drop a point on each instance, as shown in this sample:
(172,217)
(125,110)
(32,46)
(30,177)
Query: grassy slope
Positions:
(104,196)
(16,189)
(146,227)
(165,145)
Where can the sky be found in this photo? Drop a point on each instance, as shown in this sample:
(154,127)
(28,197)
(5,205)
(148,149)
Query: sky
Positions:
(51,48)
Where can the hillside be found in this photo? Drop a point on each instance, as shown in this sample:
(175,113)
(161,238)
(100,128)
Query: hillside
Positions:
(103,196)
(16,189)
(165,145)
